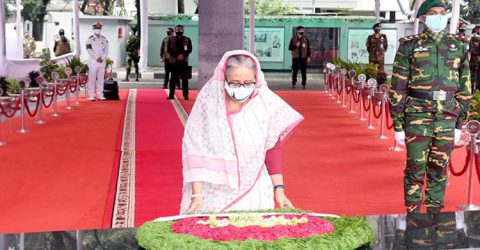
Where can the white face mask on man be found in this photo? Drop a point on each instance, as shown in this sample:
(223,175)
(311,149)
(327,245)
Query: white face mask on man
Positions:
(97,31)
(239,94)
(436,23)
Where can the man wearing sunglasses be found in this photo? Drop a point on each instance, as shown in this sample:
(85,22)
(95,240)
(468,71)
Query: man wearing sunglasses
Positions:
(429,98)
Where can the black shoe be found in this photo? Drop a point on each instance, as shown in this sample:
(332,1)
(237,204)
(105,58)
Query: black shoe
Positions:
(164,87)
(169,98)
(136,79)
(304,86)
(126,80)
(178,87)
(185,98)
(293,85)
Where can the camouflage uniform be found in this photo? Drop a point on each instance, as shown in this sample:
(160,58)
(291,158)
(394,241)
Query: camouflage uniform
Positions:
(133,45)
(376,48)
(427,65)
(29,47)
(475,60)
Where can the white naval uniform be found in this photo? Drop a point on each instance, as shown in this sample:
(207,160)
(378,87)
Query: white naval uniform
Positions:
(96,47)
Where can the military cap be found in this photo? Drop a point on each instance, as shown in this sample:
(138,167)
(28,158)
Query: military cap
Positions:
(97,25)
(428,4)
(377,25)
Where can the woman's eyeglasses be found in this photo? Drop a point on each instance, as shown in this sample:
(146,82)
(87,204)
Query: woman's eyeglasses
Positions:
(236,85)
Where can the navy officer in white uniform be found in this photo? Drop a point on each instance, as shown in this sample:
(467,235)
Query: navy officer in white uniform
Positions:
(97,48)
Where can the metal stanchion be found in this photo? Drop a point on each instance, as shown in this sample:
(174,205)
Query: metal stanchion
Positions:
(382,96)
(22,108)
(78,69)
(41,84)
(362,78)
(352,75)
(55,76)
(68,72)
(3,100)
(327,78)
(473,128)
(370,90)
(344,86)
(338,72)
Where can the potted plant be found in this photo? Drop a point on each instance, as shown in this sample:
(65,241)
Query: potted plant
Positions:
(13,87)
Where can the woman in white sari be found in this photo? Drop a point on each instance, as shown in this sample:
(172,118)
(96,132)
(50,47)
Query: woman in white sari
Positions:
(231,146)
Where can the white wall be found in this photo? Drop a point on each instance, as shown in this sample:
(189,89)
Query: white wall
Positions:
(110,31)
(169,6)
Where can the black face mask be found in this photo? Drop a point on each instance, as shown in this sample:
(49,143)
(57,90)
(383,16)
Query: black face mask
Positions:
(179,33)
(300,33)
(462,30)
(169,33)
(377,30)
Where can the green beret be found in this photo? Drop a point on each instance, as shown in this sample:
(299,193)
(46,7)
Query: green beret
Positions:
(428,4)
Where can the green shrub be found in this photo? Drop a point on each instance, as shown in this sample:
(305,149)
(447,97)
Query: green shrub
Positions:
(13,86)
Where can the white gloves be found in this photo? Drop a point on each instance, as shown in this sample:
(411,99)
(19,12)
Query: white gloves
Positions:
(400,137)
(458,134)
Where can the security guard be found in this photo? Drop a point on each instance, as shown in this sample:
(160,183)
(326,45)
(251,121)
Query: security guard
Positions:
(28,46)
(429,99)
(376,46)
(179,48)
(166,58)
(97,48)
(475,57)
(133,54)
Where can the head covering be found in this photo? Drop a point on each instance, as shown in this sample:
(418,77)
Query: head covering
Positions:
(208,148)
(377,25)
(97,25)
(428,4)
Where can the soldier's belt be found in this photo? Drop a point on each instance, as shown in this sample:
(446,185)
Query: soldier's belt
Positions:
(432,95)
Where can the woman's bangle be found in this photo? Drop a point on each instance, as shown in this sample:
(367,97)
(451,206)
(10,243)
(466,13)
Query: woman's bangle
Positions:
(278,186)
(197,195)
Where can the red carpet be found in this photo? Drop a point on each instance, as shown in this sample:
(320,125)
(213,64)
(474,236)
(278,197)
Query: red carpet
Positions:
(159,135)
(333,164)
(56,177)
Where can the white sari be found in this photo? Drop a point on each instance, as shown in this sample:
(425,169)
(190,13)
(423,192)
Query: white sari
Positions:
(227,151)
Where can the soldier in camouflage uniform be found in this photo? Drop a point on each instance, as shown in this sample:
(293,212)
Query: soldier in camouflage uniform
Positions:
(376,46)
(429,99)
(28,46)
(133,55)
(475,57)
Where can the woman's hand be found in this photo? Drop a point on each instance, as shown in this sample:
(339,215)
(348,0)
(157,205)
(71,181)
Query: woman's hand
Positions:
(196,205)
(282,199)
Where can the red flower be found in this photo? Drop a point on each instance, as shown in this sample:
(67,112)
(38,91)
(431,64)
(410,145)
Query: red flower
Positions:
(314,226)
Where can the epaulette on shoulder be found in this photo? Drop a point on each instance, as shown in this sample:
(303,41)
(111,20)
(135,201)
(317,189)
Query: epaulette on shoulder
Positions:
(407,39)
(457,37)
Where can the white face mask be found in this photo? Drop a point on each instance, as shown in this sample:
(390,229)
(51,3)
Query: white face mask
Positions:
(436,23)
(239,94)
(97,31)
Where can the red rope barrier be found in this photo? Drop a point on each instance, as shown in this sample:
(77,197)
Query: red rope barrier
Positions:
(465,167)
(75,85)
(51,99)
(61,91)
(369,104)
(36,106)
(387,115)
(356,99)
(15,109)
(379,112)
(348,87)
(339,88)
